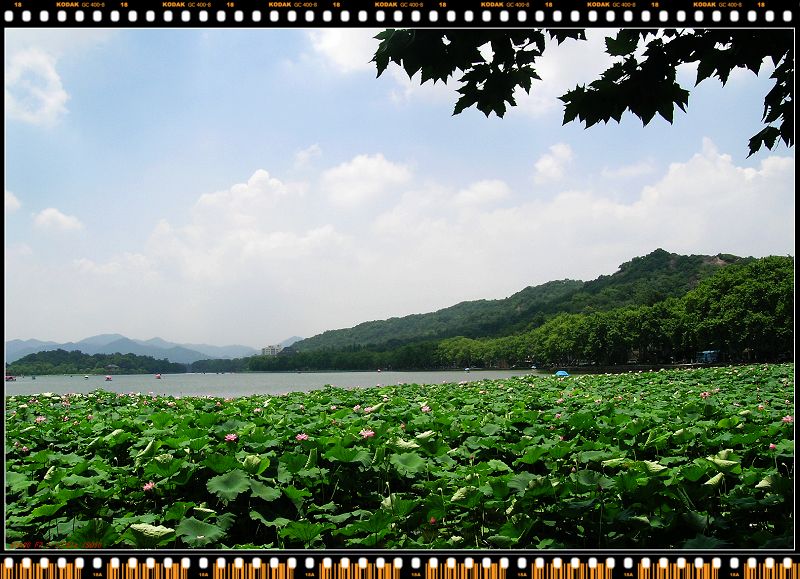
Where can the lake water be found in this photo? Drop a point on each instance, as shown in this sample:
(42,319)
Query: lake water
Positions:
(232,385)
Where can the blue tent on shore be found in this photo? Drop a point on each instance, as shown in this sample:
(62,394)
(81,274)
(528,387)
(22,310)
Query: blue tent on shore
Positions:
(562,373)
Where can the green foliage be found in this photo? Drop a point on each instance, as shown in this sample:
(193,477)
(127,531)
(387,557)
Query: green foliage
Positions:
(642,79)
(642,281)
(658,309)
(627,461)
(76,362)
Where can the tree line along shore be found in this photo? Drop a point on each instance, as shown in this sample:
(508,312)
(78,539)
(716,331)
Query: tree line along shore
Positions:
(743,313)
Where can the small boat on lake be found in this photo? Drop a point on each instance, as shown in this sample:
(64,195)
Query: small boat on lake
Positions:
(10,379)
(86,377)
(108,378)
(158,376)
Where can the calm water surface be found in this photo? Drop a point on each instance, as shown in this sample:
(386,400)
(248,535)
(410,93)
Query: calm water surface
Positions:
(231,385)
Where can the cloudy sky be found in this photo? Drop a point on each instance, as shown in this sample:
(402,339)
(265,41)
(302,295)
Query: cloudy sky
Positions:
(243,186)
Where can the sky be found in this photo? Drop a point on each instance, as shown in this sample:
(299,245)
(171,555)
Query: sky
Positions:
(241,186)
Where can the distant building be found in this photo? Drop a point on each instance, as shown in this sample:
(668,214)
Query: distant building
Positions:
(271,350)
(708,357)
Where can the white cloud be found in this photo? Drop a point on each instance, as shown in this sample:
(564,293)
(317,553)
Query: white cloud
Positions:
(551,166)
(304,157)
(362,179)
(261,223)
(57,42)
(346,49)
(244,204)
(33,90)
(12,203)
(483,192)
(629,171)
(706,204)
(130,266)
(18,250)
(272,261)
(52,218)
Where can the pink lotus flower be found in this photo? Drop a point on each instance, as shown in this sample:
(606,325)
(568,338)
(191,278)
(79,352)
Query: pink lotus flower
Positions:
(403,425)
(772,446)
(426,408)
(787,419)
(219,403)
(432,521)
(24,449)
(559,401)
(367,433)
(705,394)
(302,407)
(761,407)
(149,486)
(90,417)
(302,436)
(561,438)
(558,415)
(231,438)
(170,404)
(65,419)
(40,419)
(256,410)
(333,407)
(357,407)
(368,409)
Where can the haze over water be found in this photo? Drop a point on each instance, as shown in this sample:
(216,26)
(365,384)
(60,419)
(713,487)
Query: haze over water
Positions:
(245,384)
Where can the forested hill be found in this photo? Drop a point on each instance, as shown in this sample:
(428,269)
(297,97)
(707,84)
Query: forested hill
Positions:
(641,281)
(75,362)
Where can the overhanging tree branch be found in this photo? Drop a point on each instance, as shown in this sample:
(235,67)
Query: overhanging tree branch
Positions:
(642,79)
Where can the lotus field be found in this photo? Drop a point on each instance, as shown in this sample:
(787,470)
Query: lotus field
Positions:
(671,459)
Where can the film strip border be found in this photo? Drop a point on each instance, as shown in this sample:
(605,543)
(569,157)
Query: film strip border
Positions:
(399,13)
(397,567)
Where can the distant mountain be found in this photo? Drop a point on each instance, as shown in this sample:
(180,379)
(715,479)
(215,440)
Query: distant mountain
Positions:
(216,352)
(16,349)
(641,281)
(101,340)
(290,341)
(111,343)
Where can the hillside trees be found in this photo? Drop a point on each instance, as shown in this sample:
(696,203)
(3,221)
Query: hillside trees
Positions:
(745,310)
(76,362)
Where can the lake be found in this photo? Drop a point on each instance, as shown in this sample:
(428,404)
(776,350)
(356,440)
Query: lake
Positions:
(233,385)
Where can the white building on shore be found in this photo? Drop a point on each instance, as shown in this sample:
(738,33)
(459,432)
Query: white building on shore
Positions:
(271,350)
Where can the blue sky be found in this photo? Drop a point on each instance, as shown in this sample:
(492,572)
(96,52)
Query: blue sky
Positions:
(244,186)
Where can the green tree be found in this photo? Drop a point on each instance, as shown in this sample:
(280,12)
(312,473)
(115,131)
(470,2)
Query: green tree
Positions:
(642,79)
